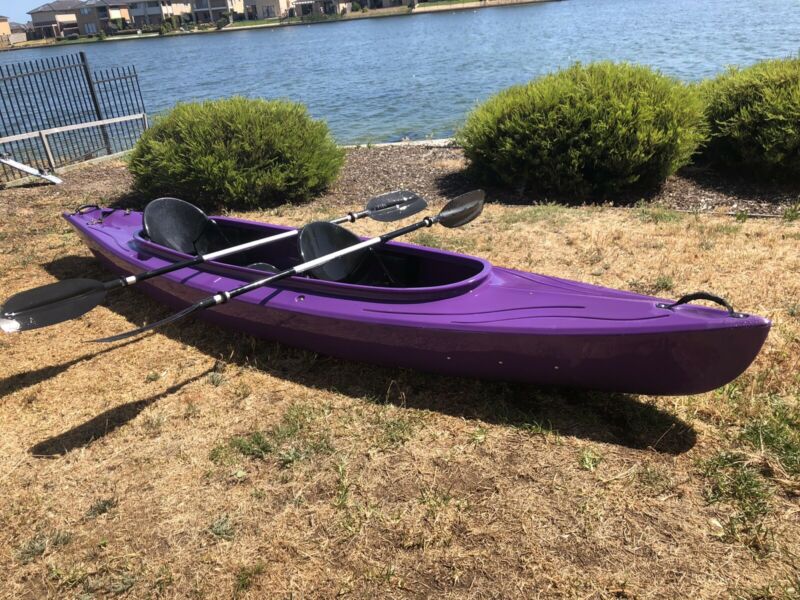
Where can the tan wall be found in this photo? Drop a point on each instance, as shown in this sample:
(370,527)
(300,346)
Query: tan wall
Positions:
(279,8)
(5,27)
(181,8)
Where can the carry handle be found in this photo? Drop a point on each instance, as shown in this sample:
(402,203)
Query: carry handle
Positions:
(703,296)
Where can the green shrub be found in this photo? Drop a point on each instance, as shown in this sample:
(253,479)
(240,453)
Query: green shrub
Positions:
(236,152)
(166,27)
(754,119)
(355,6)
(585,131)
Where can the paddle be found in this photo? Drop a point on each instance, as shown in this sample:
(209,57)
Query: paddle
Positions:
(71,298)
(323,236)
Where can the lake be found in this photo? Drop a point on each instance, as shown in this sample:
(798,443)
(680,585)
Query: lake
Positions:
(418,76)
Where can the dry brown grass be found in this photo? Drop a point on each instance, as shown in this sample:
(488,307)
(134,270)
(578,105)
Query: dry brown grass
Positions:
(133,472)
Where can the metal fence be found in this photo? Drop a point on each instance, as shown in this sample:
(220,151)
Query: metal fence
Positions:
(57,111)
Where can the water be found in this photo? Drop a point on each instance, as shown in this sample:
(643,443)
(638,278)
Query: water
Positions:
(385,79)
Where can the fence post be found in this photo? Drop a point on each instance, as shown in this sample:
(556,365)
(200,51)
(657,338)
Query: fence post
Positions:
(95,100)
(48,151)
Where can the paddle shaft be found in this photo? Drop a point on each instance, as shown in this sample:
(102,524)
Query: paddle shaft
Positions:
(132,279)
(456,213)
(224,297)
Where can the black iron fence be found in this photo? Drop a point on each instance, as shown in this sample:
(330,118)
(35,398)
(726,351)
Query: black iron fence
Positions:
(57,111)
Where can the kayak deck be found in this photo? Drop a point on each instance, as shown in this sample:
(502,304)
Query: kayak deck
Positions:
(450,313)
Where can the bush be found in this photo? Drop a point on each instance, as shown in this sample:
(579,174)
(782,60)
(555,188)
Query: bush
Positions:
(585,131)
(754,119)
(355,6)
(236,152)
(166,27)
(222,22)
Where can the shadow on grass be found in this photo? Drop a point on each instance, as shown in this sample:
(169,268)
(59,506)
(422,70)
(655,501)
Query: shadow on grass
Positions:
(612,418)
(103,424)
(20,381)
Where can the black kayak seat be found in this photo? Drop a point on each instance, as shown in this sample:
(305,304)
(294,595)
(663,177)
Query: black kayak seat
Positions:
(182,226)
(262,266)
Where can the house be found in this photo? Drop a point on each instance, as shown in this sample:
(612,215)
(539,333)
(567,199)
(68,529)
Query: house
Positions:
(11,33)
(211,11)
(155,12)
(309,8)
(107,16)
(55,19)
(20,27)
(267,9)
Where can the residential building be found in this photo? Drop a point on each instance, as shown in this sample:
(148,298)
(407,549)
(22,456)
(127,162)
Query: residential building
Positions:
(11,33)
(155,12)
(307,8)
(267,9)
(107,16)
(20,27)
(211,11)
(55,19)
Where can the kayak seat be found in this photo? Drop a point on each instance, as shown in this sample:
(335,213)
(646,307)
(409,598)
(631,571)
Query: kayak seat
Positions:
(182,226)
(386,266)
(262,266)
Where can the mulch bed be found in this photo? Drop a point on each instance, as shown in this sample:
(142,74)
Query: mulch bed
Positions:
(439,173)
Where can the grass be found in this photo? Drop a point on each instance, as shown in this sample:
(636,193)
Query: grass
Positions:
(299,475)
(101,507)
(245,577)
(222,528)
(254,23)
(589,459)
(289,442)
(734,482)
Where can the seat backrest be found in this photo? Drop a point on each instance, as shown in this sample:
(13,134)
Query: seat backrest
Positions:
(320,238)
(182,226)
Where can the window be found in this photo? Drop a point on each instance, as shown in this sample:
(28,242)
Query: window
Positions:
(152,5)
(133,6)
(91,28)
(86,11)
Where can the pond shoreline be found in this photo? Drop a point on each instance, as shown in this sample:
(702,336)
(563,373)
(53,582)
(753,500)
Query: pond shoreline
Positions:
(380,13)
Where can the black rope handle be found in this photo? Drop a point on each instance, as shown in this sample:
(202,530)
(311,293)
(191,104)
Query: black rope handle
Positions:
(84,207)
(703,296)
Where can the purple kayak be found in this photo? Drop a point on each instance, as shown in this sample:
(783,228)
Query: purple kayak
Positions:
(422,308)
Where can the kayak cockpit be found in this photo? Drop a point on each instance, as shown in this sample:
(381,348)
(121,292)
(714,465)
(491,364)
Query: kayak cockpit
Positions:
(395,270)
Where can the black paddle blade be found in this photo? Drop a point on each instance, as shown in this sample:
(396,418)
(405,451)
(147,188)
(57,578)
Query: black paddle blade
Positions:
(171,319)
(47,294)
(395,206)
(463,209)
(51,304)
(322,238)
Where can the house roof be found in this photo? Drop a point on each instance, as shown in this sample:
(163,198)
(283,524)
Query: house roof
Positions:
(2,18)
(106,3)
(16,27)
(57,6)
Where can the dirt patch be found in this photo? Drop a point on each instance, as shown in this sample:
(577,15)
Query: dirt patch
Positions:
(138,471)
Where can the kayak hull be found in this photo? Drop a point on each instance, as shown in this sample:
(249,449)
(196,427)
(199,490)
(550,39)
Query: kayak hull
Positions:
(499,324)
